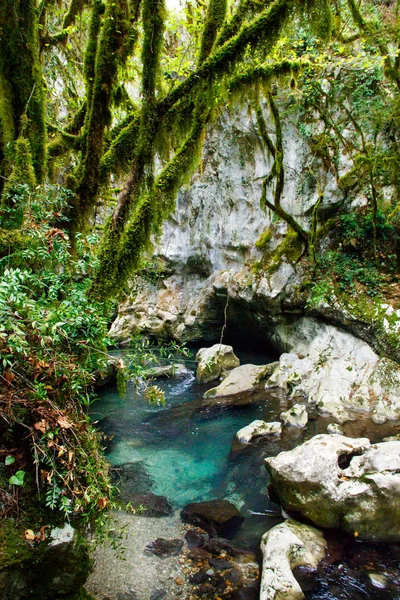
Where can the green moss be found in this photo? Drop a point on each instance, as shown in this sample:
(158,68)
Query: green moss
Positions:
(11,240)
(263,241)
(214,19)
(22,87)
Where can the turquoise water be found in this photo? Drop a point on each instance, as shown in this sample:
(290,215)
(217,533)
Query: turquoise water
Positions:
(186,450)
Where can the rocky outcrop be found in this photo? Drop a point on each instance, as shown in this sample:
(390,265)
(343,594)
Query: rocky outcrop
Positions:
(337,372)
(214,362)
(217,517)
(256,429)
(42,569)
(296,416)
(286,546)
(238,385)
(342,483)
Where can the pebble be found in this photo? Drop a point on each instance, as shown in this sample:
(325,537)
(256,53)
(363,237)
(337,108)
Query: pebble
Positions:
(379,581)
(179,581)
(210,572)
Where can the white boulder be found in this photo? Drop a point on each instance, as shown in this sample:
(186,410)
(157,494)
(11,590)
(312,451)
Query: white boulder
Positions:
(258,428)
(286,546)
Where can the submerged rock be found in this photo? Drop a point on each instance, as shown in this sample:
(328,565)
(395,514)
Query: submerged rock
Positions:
(242,380)
(296,416)
(151,505)
(342,483)
(217,517)
(164,548)
(286,546)
(256,429)
(215,361)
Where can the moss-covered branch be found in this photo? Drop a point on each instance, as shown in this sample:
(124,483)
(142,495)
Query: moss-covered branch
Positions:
(111,50)
(215,17)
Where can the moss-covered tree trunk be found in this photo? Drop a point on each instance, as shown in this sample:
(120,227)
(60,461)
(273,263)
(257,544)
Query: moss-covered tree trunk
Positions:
(22,89)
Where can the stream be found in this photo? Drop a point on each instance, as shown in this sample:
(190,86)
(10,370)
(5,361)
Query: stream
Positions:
(184,452)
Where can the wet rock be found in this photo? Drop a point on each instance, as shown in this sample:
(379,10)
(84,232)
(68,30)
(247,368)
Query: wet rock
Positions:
(198,554)
(164,548)
(285,547)
(217,517)
(342,483)
(250,592)
(296,416)
(256,429)
(334,428)
(214,361)
(151,505)
(241,381)
(220,564)
(131,479)
(217,545)
(195,539)
(175,370)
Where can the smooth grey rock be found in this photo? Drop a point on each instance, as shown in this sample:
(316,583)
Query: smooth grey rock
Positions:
(242,380)
(296,416)
(286,546)
(342,483)
(256,429)
(214,361)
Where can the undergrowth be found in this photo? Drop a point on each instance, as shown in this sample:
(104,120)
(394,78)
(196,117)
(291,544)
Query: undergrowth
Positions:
(52,339)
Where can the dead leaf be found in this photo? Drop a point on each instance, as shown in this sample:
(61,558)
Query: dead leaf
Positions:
(29,535)
(70,456)
(102,503)
(9,377)
(64,423)
(42,425)
(42,533)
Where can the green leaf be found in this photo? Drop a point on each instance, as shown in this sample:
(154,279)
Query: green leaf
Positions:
(17,479)
(9,460)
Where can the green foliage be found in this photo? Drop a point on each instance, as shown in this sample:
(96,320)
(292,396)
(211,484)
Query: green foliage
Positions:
(52,338)
(354,266)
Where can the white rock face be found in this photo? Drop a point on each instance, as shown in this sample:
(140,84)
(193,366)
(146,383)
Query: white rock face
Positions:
(242,380)
(296,416)
(212,362)
(256,429)
(342,483)
(337,372)
(286,546)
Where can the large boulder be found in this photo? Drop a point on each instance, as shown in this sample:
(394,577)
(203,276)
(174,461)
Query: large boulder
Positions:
(239,384)
(214,362)
(217,517)
(342,483)
(284,547)
(256,429)
(335,371)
